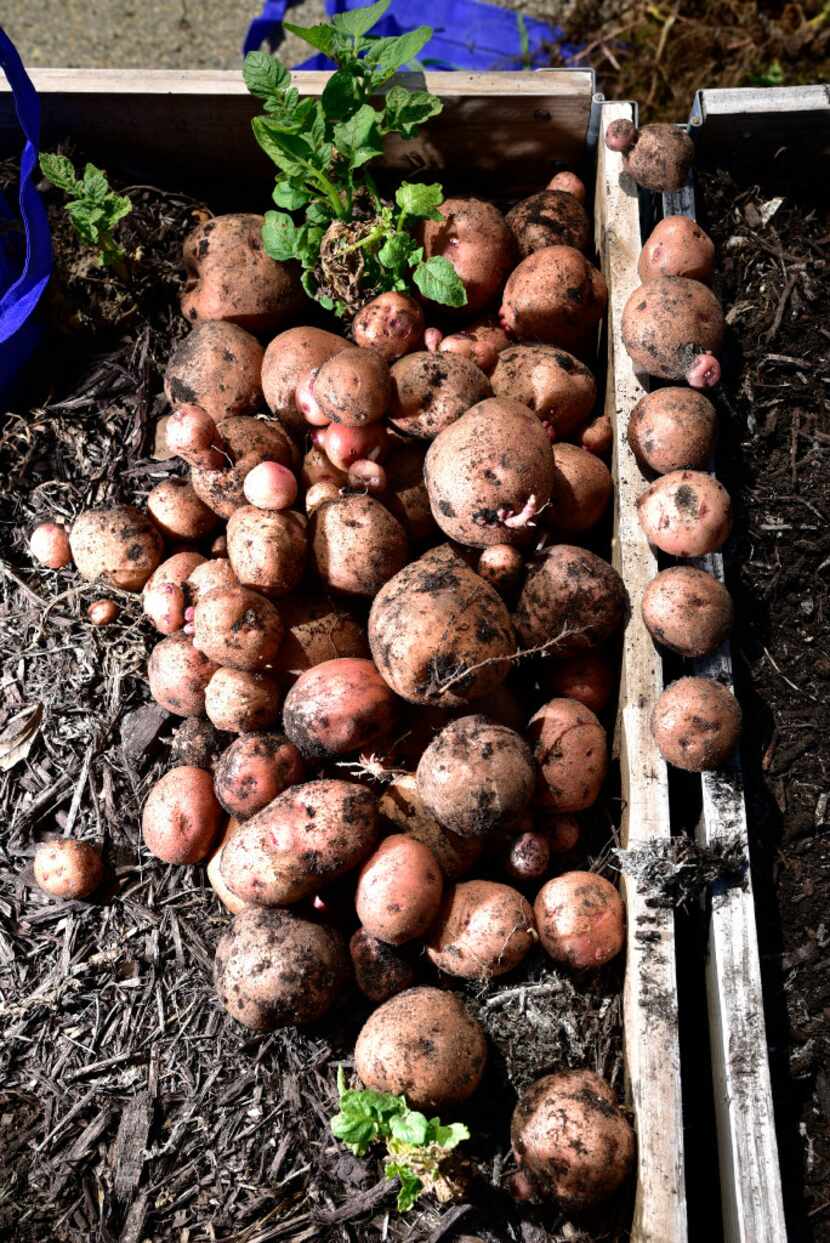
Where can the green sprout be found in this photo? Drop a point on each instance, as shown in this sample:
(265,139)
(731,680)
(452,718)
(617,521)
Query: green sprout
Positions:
(92,206)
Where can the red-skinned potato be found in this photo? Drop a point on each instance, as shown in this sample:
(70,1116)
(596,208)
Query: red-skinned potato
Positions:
(178,675)
(353,387)
(562,832)
(217,366)
(555,296)
(191,434)
(696,724)
(49,545)
(572,600)
(598,436)
(166,593)
(344,445)
(368,476)
(214,873)
(588,677)
(673,328)
(580,918)
(550,218)
(273,969)
(357,545)
(270,486)
(230,277)
(399,890)
(425,1045)
(484,929)
(687,611)
(391,324)
(380,970)
(406,493)
(582,489)
(658,156)
(672,429)
(318,494)
(236,627)
(528,857)
(501,566)
(254,770)
(338,707)
(210,575)
(677,246)
(402,806)
(475,238)
(68,868)
(569,183)
(318,468)
(238,701)
(267,549)
(119,546)
(552,383)
(290,358)
(571,749)
(431,391)
(178,512)
(318,629)
(247,442)
(481,343)
(686,513)
(181,817)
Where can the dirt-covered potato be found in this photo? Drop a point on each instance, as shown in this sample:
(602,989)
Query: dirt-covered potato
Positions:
(181,817)
(554,296)
(569,183)
(178,512)
(380,970)
(686,513)
(580,918)
(118,546)
(273,969)
(582,488)
(68,868)
(292,357)
(673,328)
(431,391)
(481,343)
(598,436)
(687,611)
(589,677)
(217,366)
(318,468)
(49,545)
(484,929)
(672,429)
(571,1139)
(178,675)
(214,873)
(562,832)
(423,1044)
(571,749)
(238,701)
(267,549)
(502,567)
(572,600)
(658,156)
(236,627)
(552,383)
(195,743)
(550,218)
(406,493)
(528,856)
(696,724)
(401,805)
(476,776)
(399,890)
(439,634)
(248,442)
(307,837)
(677,246)
(353,387)
(230,277)
(391,324)
(357,545)
(254,770)
(209,576)
(477,241)
(166,593)
(318,629)
(338,707)
(489,474)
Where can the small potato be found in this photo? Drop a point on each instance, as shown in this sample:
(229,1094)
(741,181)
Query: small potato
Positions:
(67,868)
(380,970)
(369,477)
(209,576)
(270,486)
(216,367)
(588,677)
(273,969)
(178,512)
(178,675)
(289,358)
(267,549)
(238,701)
(423,1044)
(254,770)
(346,445)
(672,429)
(696,724)
(338,707)
(475,776)
(317,468)
(353,387)
(580,918)
(598,436)
(481,343)
(571,749)
(550,218)
(678,246)
(399,890)
(191,434)
(219,547)
(552,383)
(582,489)
(236,627)
(554,296)
(318,629)
(406,494)
(528,857)
(49,545)
(357,545)
(563,833)
(501,566)
(402,806)
(431,391)
(391,324)
(673,328)
(569,183)
(483,930)
(103,612)
(181,817)
(118,546)
(477,241)
(687,611)
(572,600)
(166,593)
(658,156)
(248,442)
(195,743)
(686,513)
(215,878)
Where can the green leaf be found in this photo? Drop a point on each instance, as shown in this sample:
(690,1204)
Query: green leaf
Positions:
(309,283)
(395,251)
(416,257)
(264,75)
(420,200)
(388,55)
(87,219)
(358,139)
(356,1133)
(359,21)
(117,207)
(342,94)
(410,1128)
(288,196)
(60,171)
(438,280)
(446,1136)
(307,244)
(290,152)
(322,37)
(319,212)
(95,184)
(411,1185)
(407,110)
(279,236)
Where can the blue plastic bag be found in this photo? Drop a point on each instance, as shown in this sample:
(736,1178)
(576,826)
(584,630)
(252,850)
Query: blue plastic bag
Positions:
(24,274)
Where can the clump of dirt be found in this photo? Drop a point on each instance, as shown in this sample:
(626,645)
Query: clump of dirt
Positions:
(678,872)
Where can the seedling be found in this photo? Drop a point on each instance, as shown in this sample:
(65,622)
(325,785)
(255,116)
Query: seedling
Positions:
(92,206)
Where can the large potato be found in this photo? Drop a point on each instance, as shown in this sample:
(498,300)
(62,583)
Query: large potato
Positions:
(696,723)
(475,238)
(399,890)
(247,442)
(178,512)
(430,391)
(318,629)
(687,610)
(181,817)
(672,429)
(353,387)
(357,545)
(338,707)
(552,383)
(571,749)
(291,357)
(237,627)
(118,546)
(673,328)
(402,806)
(179,675)
(217,366)
(580,918)
(483,930)
(677,246)
(686,513)
(550,218)
(555,296)
(210,575)
(571,600)
(267,549)
(166,593)
(254,770)
(589,677)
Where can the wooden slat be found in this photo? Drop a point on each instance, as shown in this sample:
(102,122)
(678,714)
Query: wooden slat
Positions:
(650,999)
(791,114)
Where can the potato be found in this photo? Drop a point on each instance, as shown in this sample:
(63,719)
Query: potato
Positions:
(686,513)
(431,391)
(423,1044)
(598,436)
(178,512)
(317,468)
(357,545)
(236,627)
(307,837)
(195,743)
(181,817)
(238,701)
(248,442)
(489,474)
(346,445)
(368,476)
(555,296)
(178,675)
(550,218)
(562,832)
(580,918)
(254,770)
(552,383)
(588,677)
(318,494)
(406,495)
(481,343)
(391,324)
(103,612)
(582,488)
(119,546)
(167,594)
(528,857)
(571,1139)
(401,805)
(672,429)
(572,600)
(231,278)
(677,246)
(191,434)
(290,358)
(477,241)
(569,183)
(380,970)
(657,157)
(439,634)
(501,566)
(318,629)
(49,545)
(572,751)
(687,611)
(399,890)
(476,776)
(267,549)
(696,724)
(673,328)
(214,874)
(217,366)
(338,707)
(209,576)
(483,930)
(67,868)
(273,969)
(270,486)
(353,387)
